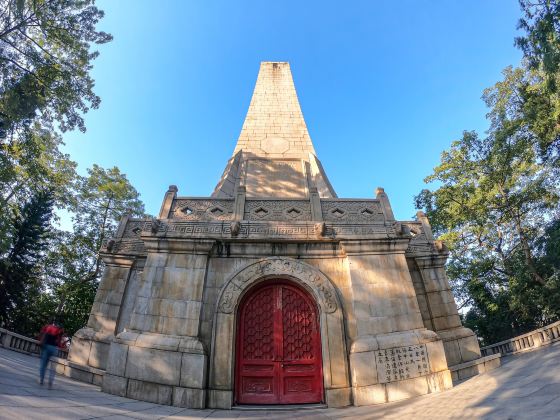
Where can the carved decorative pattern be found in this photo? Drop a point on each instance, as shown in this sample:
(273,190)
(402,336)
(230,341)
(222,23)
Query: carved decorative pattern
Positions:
(298,319)
(133,228)
(258,326)
(279,346)
(202,209)
(268,230)
(419,243)
(278,267)
(124,246)
(277,210)
(352,211)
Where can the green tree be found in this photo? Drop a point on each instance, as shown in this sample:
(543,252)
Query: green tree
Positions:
(540,97)
(20,269)
(496,203)
(102,198)
(45,61)
(46,57)
(29,166)
(74,264)
(493,200)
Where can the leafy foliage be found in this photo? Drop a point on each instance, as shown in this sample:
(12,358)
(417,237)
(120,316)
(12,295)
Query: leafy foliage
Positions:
(45,61)
(45,86)
(496,204)
(29,166)
(74,265)
(20,265)
(541,95)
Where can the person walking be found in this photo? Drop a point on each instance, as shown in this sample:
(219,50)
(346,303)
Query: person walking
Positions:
(51,339)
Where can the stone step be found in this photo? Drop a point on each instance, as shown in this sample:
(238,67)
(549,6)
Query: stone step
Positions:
(278,407)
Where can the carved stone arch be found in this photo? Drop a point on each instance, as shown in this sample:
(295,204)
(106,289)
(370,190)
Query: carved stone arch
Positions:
(336,378)
(306,275)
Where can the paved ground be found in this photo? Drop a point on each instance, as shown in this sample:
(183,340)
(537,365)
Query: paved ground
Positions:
(525,387)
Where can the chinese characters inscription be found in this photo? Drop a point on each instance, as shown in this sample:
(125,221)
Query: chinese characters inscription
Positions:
(402,363)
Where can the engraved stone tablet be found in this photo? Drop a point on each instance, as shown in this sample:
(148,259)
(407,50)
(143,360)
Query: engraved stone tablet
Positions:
(400,363)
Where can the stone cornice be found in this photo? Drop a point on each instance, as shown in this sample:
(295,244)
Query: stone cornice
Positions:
(118,260)
(368,246)
(431,261)
(175,245)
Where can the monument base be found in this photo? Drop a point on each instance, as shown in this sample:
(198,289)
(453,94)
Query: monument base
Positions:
(158,368)
(397,366)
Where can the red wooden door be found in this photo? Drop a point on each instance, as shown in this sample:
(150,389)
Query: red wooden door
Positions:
(278,347)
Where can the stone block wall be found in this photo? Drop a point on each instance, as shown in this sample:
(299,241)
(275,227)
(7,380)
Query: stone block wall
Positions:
(90,345)
(393,356)
(439,311)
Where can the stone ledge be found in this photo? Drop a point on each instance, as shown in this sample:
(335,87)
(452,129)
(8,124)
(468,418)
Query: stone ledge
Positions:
(166,342)
(78,372)
(84,374)
(401,390)
(369,343)
(475,367)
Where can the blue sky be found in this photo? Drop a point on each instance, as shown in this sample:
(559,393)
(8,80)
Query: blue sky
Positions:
(385,86)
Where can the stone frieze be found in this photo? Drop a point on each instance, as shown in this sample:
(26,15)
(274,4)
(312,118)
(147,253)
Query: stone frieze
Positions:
(275,266)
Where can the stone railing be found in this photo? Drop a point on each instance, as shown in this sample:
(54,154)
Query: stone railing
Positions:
(17,342)
(526,342)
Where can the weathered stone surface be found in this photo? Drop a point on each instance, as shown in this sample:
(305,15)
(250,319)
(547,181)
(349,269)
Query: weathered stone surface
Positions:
(436,355)
(339,397)
(220,399)
(369,395)
(469,348)
(81,348)
(408,388)
(193,371)
(116,362)
(188,397)
(151,365)
(363,368)
(273,143)
(165,318)
(99,354)
(149,391)
(222,361)
(114,384)
(439,381)
(79,374)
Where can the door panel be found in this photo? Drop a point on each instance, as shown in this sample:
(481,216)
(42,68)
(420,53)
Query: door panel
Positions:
(278,347)
(257,380)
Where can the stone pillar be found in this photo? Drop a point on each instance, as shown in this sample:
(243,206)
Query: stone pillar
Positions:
(90,345)
(170,195)
(316,211)
(388,325)
(460,343)
(160,359)
(384,200)
(239,206)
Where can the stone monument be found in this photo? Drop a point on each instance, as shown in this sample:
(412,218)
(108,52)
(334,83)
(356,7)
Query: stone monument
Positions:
(273,290)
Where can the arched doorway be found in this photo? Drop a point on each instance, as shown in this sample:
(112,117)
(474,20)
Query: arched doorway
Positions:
(278,346)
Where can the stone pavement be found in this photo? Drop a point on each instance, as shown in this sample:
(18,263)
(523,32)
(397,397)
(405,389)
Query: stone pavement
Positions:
(527,386)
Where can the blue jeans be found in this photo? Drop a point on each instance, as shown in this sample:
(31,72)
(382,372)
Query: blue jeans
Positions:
(47,352)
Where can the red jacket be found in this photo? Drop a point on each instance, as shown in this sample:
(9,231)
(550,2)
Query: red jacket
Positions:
(51,334)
